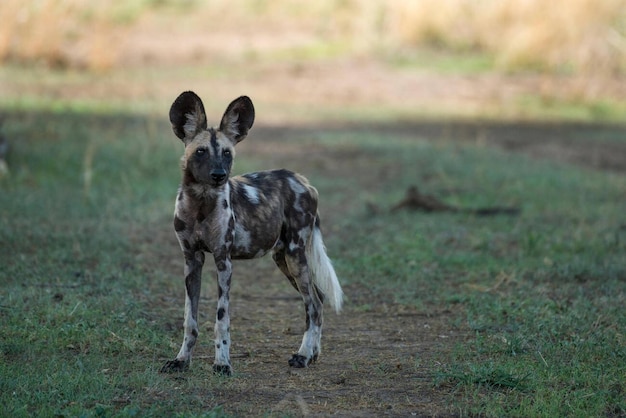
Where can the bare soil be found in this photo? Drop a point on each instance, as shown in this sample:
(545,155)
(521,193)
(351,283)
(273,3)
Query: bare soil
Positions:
(378,358)
(374,362)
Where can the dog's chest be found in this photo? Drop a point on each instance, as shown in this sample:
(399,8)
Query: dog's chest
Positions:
(244,238)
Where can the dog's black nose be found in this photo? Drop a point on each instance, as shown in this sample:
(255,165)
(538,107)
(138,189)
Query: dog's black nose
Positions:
(218,176)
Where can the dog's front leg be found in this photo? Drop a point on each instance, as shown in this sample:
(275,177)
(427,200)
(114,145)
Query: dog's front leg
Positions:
(222,363)
(193,280)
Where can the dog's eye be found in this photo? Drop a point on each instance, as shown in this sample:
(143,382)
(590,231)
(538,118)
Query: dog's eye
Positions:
(227,153)
(200,152)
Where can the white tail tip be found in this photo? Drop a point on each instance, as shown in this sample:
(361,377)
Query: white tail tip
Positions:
(323,273)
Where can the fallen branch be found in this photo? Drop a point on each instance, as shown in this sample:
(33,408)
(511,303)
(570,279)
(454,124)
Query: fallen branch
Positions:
(414,200)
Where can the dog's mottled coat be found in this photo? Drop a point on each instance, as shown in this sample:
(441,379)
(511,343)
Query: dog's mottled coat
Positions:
(244,217)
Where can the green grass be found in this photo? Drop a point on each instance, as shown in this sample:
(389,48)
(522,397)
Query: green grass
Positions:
(551,108)
(78,334)
(440,61)
(541,294)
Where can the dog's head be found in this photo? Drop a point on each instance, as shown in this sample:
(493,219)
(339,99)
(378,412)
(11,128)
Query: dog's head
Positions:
(209,152)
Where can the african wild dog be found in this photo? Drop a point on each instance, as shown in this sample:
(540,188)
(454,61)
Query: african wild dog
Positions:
(244,217)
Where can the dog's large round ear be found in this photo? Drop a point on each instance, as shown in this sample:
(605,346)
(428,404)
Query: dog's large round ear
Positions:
(187,116)
(238,119)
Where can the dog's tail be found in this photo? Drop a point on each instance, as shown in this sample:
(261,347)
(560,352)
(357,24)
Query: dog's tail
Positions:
(322,270)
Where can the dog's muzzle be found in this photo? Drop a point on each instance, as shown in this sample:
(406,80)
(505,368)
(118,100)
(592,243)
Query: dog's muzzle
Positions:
(218,176)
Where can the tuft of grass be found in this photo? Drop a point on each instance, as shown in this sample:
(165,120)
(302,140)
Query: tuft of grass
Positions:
(486,375)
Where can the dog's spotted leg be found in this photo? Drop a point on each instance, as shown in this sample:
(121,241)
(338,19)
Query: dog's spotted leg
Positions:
(281,262)
(193,280)
(310,348)
(222,363)
(224,266)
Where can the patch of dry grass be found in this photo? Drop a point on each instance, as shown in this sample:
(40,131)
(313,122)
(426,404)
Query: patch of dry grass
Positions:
(571,36)
(61,33)
(563,35)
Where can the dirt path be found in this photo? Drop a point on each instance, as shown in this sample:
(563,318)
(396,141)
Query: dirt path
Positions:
(375,361)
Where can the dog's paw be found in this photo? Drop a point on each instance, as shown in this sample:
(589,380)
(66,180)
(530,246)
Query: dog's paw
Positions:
(173,366)
(299,361)
(222,370)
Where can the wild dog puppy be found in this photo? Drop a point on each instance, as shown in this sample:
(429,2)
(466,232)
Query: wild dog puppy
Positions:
(244,217)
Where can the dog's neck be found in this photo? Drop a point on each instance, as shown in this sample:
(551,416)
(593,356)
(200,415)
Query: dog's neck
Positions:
(205,192)
(207,197)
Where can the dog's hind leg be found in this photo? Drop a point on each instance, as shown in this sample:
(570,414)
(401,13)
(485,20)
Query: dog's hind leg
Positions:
(281,262)
(298,269)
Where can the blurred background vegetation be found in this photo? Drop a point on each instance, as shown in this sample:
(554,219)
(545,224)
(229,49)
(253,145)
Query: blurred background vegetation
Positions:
(561,36)
(572,50)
